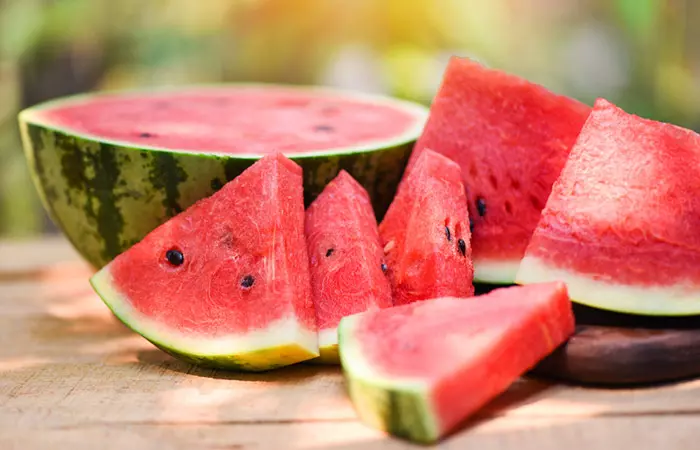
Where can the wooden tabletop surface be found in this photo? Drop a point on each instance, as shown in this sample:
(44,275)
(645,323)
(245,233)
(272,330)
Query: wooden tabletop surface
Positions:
(72,377)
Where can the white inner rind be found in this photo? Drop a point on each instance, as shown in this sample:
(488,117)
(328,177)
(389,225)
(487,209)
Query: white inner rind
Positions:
(282,332)
(358,368)
(496,272)
(673,300)
(417,111)
(327,337)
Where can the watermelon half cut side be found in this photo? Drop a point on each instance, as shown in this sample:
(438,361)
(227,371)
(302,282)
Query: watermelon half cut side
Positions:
(112,166)
(225,283)
(346,259)
(511,138)
(425,233)
(621,225)
(417,371)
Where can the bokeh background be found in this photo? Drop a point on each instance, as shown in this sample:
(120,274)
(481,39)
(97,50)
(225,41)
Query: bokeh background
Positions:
(642,54)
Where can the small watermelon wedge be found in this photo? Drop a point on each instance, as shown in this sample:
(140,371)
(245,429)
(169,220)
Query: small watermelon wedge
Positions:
(621,225)
(425,233)
(511,138)
(226,282)
(346,259)
(417,371)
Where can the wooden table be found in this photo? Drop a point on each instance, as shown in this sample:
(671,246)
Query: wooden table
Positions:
(72,377)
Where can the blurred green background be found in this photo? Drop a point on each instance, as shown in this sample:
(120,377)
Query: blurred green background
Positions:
(642,54)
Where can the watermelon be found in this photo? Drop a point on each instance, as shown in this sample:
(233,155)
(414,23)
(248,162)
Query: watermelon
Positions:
(112,166)
(426,234)
(226,282)
(620,227)
(419,370)
(511,138)
(346,259)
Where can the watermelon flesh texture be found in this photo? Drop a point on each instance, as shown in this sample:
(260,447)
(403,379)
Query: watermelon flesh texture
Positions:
(241,299)
(417,371)
(346,259)
(511,138)
(620,227)
(425,233)
(258,119)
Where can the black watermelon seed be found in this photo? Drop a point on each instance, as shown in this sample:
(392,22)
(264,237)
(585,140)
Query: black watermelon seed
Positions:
(384,267)
(448,234)
(175,257)
(326,128)
(462,247)
(481,206)
(146,134)
(329,252)
(471,225)
(247,281)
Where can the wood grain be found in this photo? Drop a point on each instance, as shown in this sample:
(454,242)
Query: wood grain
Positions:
(73,377)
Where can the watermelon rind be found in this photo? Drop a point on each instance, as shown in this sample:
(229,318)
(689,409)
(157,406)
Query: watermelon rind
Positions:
(280,344)
(674,300)
(328,347)
(396,405)
(106,195)
(495,272)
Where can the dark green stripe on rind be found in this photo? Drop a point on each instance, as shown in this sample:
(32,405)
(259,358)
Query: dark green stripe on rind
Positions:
(106,197)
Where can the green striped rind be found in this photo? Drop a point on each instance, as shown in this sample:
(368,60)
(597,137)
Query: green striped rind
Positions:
(280,344)
(398,406)
(106,196)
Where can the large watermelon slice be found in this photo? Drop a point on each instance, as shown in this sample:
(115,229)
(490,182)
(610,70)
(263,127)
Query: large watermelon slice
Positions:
(226,282)
(511,137)
(426,234)
(110,167)
(346,259)
(621,225)
(419,370)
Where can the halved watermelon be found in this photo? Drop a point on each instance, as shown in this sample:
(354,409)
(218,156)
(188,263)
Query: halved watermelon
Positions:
(418,370)
(226,282)
(621,225)
(511,138)
(346,257)
(426,234)
(110,167)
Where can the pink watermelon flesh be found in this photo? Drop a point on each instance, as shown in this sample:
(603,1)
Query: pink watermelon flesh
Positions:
(624,213)
(244,265)
(511,139)
(443,359)
(346,257)
(256,120)
(425,233)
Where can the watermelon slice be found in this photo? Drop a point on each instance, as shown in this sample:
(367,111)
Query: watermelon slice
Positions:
(419,370)
(225,283)
(110,167)
(511,139)
(346,258)
(620,227)
(426,234)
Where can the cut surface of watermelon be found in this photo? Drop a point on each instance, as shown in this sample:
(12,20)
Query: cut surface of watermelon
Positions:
(425,233)
(511,138)
(346,259)
(419,370)
(225,283)
(620,225)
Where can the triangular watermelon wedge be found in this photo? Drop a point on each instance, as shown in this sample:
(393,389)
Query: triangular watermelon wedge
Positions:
(226,282)
(621,225)
(511,138)
(417,371)
(346,259)
(425,233)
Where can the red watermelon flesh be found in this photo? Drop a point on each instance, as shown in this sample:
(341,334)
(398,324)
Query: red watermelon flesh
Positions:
(225,283)
(511,138)
(346,259)
(419,370)
(256,119)
(425,233)
(621,224)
